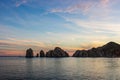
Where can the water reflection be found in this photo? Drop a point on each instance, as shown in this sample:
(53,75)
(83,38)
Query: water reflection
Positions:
(29,69)
(112,68)
(60,69)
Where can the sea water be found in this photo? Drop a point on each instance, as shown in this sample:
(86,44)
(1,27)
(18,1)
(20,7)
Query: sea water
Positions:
(21,68)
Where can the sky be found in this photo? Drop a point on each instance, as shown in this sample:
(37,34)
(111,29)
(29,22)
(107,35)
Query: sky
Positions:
(45,24)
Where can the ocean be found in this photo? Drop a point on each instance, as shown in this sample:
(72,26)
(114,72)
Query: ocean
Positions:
(21,68)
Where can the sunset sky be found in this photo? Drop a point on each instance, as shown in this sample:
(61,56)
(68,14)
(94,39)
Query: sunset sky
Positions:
(45,24)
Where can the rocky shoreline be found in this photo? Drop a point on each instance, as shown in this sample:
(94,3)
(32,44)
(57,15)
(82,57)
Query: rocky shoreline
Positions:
(110,50)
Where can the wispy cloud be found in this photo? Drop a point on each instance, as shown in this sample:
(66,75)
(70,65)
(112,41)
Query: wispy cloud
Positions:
(74,8)
(20,2)
(105,2)
(12,46)
(82,6)
(18,42)
(75,39)
(9,52)
(96,25)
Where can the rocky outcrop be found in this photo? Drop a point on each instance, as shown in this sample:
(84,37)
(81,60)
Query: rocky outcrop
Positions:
(29,53)
(111,49)
(57,52)
(37,55)
(42,54)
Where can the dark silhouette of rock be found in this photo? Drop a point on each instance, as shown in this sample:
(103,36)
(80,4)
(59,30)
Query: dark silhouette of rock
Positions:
(110,49)
(37,55)
(57,52)
(42,54)
(29,53)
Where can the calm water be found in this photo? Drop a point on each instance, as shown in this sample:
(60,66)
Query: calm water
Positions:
(18,68)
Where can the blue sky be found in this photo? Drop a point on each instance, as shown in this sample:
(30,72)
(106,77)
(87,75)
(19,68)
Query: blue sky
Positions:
(44,24)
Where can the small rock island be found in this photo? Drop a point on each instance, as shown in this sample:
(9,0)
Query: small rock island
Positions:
(29,53)
(57,52)
(42,54)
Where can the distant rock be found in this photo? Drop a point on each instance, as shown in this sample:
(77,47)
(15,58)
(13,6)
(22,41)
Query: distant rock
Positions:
(42,54)
(29,53)
(57,52)
(37,55)
(110,49)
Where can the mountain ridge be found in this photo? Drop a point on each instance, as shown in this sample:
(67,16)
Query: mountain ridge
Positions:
(111,49)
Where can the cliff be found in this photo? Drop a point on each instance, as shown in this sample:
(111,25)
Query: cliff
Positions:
(110,49)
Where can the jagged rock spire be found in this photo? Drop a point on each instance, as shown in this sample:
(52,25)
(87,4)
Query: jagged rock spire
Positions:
(42,54)
(29,53)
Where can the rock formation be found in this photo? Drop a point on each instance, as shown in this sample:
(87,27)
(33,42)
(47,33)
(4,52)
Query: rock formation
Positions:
(57,52)
(111,49)
(29,53)
(42,54)
(37,55)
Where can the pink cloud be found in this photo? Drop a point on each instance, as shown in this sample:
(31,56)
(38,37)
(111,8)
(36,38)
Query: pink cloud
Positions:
(104,2)
(19,3)
(84,6)
(75,8)
(7,52)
